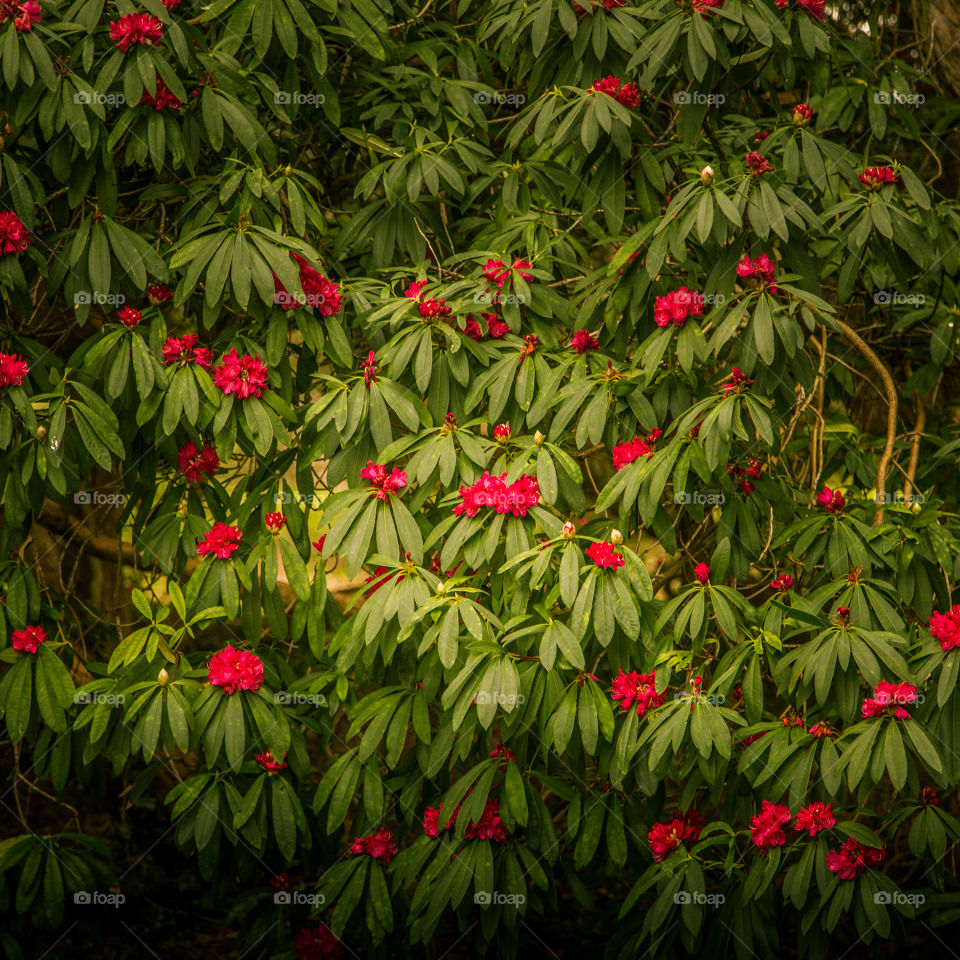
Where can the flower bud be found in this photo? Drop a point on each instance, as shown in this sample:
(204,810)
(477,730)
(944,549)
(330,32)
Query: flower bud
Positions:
(569,531)
(706,175)
(441,589)
(163,678)
(41,433)
(801,115)
(915,507)
(539,438)
(616,537)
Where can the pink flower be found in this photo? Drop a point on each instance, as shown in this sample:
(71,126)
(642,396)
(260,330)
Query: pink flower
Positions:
(235,670)
(666,837)
(266,761)
(815,818)
(221,541)
(129,316)
(831,500)
(676,307)
(493,491)
(635,687)
(853,858)
(386,484)
(24,13)
(624,453)
(185,350)
(702,573)
(782,584)
(317,943)
(945,627)
(14,236)
(193,464)
(28,639)
(13,370)
(244,376)
(890,698)
(275,522)
(162,98)
(380,846)
(873,178)
(802,114)
(582,341)
(159,293)
(603,555)
(766,829)
(739,383)
(431,821)
(136,28)
(757,164)
(497,272)
(759,271)
(502,432)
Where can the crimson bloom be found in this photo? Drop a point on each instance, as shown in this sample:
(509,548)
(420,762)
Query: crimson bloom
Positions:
(193,463)
(274,522)
(24,13)
(831,500)
(386,484)
(13,370)
(244,376)
(782,584)
(676,307)
(813,8)
(739,382)
(162,98)
(489,826)
(266,761)
(759,271)
(628,95)
(636,687)
(130,317)
(14,236)
(502,432)
(317,943)
(873,178)
(766,828)
(603,555)
(890,698)
(28,639)
(582,341)
(493,491)
(221,541)
(185,350)
(757,164)
(945,627)
(702,573)
(802,115)
(159,293)
(630,450)
(136,28)
(235,670)
(814,818)
(666,837)
(853,858)
(380,846)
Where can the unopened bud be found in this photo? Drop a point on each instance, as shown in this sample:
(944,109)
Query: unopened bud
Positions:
(539,438)
(163,678)
(41,433)
(287,170)
(441,589)
(616,537)
(915,507)
(706,176)
(569,531)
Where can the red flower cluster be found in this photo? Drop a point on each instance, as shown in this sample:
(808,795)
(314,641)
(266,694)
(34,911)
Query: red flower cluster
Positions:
(317,943)
(853,858)
(822,731)
(130,317)
(928,796)
(385,483)
(193,463)
(628,95)
(244,376)
(815,818)
(702,573)
(266,761)
(136,28)
(274,522)
(739,382)
(235,670)
(873,178)
(813,8)
(831,500)
(23,13)
(221,541)
(802,115)
(676,306)
(185,350)
(13,370)
(890,698)
(665,837)
(753,469)
(757,164)
(433,307)
(488,827)
(607,5)
(369,368)
(766,829)
(635,687)
(163,97)
(28,639)
(318,291)
(489,491)
(783,583)
(283,882)
(497,272)
(945,627)
(14,236)
(380,845)
(603,555)
(705,6)
(502,432)
(759,270)
(500,752)
(583,340)
(159,293)
(624,453)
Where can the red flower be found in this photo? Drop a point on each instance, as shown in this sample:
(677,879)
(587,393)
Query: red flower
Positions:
(159,293)
(500,752)
(890,698)
(413,291)
(380,845)
(635,687)
(14,236)
(369,367)
(676,306)
(853,858)
(385,483)
(873,178)
(130,316)
(746,741)
(193,464)
(490,491)
(608,5)
(739,382)
(185,350)
(582,341)
(822,731)
(136,28)
(497,272)
(283,882)
(317,943)
(665,837)
(28,639)
(318,544)
(802,114)
(757,164)
(813,8)
(759,270)
(603,555)
(628,94)
(783,583)
(766,829)
(489,826)
(624,453)
(235,670)
(163,97)
(702,573)
(221,541)
(530,343)
(13,370)
(832,500)
(266,761)
(381,580)
(24,13)
(472,329)
(502,432)
(244,376)
(945,627)
(431,821)
(318,291)
(497,329)
(928,796)
(171,4)
(814,818)
(274,522)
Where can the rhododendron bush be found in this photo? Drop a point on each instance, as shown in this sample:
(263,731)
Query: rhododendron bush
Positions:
(477,478)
